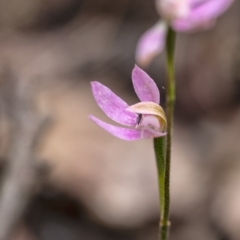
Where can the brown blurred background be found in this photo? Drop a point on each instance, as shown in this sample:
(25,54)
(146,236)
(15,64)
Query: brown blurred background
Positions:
(63,177)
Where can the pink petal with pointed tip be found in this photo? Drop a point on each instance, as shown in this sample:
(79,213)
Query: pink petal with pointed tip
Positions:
(202,15)
(150,44)
(113,106)
(145,88)
(122,133)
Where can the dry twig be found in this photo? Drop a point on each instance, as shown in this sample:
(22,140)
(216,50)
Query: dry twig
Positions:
(21,175)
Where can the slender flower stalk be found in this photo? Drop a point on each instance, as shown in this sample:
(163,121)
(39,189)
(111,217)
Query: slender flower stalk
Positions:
(162,146)
(160,153)
(165,223)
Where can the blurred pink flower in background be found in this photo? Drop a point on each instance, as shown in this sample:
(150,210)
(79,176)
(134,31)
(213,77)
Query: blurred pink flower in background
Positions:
(183,16)
(146,118)
(172,9)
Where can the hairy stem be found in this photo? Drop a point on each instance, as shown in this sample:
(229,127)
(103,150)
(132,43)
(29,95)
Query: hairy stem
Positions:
(165,223)
(159,148)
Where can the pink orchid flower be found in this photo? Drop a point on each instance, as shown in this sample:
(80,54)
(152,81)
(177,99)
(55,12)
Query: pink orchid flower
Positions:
(183,16)
(145,119)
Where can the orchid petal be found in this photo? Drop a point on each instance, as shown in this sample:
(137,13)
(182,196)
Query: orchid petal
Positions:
(113,106)
(202,15)
(185,26)
(123,133)
(151,109)
(145,88)
(151,44)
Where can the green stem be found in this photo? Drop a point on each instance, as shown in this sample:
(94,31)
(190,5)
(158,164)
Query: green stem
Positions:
(165,224)
(159,148)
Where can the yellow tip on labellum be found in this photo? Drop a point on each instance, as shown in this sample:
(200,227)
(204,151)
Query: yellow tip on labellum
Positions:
(150,108)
